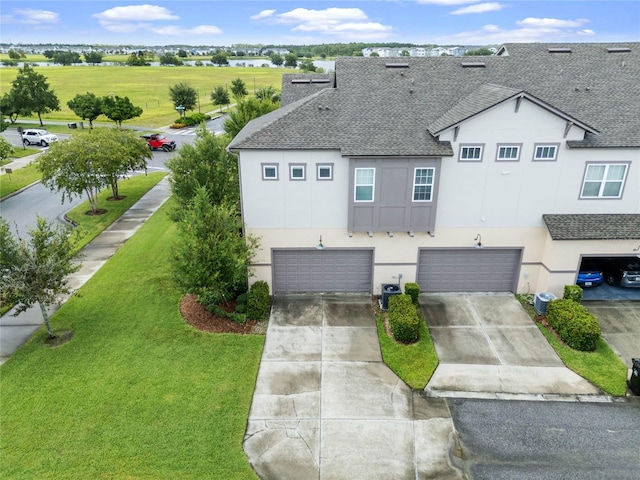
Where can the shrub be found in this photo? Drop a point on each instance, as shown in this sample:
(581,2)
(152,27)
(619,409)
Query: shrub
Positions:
(574,324)
(572,292)
(413,290)
(403,319)
(193,119)
(241,303)
(258,301)
(178,125)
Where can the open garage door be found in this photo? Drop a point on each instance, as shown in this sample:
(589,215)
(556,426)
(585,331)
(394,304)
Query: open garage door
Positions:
(469,270)
(609,277)
(329,270)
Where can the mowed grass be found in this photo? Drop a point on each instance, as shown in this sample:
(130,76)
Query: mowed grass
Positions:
(19,178)
(136,393)
(146,87)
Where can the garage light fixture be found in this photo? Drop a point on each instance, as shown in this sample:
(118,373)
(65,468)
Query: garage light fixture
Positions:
(320,246)
(637,249)
(478,241)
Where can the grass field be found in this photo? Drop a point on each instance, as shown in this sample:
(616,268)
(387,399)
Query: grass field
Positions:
(18,179)
(136,393)
(146,87)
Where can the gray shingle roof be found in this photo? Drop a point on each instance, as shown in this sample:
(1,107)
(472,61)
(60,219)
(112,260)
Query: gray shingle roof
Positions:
(377,110)
(593,226)
(299,85)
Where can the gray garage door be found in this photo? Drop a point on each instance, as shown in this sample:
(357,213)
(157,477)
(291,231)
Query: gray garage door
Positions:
(322,271)
(469,270)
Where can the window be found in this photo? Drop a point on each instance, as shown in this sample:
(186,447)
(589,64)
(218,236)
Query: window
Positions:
(545,152)
(270,171)
(471,153)
(604,180)
(422,184)
(508,153)
(364,182)
(297,172)
(325,171)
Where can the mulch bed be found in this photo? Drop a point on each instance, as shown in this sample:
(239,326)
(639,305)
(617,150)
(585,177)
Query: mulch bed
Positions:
(197,315)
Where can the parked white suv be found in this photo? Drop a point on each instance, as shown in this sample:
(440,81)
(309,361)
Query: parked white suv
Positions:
(35,136)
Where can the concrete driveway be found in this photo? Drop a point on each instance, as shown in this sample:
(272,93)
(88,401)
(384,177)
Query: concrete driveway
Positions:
(325,406)
(487,344)
(620,325)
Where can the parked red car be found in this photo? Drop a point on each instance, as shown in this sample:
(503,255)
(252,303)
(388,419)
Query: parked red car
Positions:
(157,141)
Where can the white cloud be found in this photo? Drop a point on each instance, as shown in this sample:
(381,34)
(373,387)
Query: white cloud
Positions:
(347,23)
(479,8)
(551,22)
(135,12)
(175,30)
(446,2)
(587,32)
(31,16)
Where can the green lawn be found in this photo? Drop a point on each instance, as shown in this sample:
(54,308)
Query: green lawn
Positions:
(146,87)
(19,178)
(136,393)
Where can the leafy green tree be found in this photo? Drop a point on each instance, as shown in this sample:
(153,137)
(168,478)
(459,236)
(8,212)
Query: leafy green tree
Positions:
(374,54)
(67,58)
(8,108)
(119,109)
(30,93)
(220,58)
(182,53)
(93,57)
(16,54)
(405,53)
(140,59)
(170,59)
(208,164)
(479,52)
(6,149)
(291,60)
(86,106)
(245,111)
(220,96)
(268,93)
(276,59)
(212,257)
(36,271)
(49,54)
(183,94)
(238,88)
(307,66)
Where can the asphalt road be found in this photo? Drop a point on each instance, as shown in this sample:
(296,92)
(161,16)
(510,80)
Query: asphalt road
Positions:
(514,440)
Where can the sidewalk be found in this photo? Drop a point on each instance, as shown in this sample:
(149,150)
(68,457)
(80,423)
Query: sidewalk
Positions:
(14,331)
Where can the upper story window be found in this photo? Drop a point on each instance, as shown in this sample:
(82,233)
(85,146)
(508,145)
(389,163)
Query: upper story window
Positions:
(604,180)
(270,171)
(297,172)
(508,153)
(423,184)
(364,183)
(471,153)
(325,171)
(545,152)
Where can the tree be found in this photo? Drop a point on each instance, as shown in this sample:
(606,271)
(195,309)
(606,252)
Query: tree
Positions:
(170,59)
(36,271)
(405,53)
(8,108)
(291,60)
(91,160)
(212,257)
(140,59)
(6,149)
(183,94)
(480,51)
(238,88)
(182,53)
(86,106)
(119,109)
(220,96)
(245,111)
(30,93)
(16,54)
(276,59)
(67,58)
(307,66)
(93,57)
(268,93)
(374,54)
(220,58)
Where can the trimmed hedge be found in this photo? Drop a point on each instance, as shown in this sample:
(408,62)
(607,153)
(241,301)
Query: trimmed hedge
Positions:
(572,292)
(403,319)
(413,290)
(193,119)
(578,328)
(258,301)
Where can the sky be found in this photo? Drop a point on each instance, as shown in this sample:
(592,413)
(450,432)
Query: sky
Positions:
(275,22)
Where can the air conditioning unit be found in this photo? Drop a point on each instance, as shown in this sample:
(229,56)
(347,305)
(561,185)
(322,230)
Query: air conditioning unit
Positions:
(388,290)
(541,301)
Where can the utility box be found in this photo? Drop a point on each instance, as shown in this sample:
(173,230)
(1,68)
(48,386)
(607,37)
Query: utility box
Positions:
(634,381)
(388,290)
(541,302)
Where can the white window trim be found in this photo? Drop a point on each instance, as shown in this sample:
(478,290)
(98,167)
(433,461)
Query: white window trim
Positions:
(356,185)
(413,192)
(324,165)
(517,146)
(471,145)
(292,167)
(536,146)
(264,168)
(603,181)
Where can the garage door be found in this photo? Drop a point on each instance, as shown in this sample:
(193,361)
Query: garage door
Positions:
(322,271)
(469,270)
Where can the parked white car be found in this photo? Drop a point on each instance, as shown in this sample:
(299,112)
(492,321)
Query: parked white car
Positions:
(40,137)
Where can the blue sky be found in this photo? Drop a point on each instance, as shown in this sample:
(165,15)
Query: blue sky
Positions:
(213,22)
